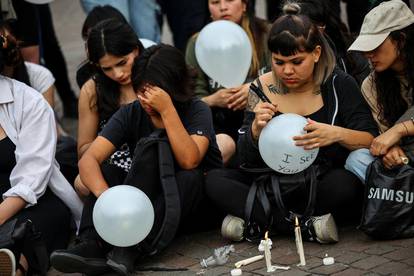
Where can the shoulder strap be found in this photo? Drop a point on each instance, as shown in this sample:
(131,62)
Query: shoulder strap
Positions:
(171,196)
(259,84)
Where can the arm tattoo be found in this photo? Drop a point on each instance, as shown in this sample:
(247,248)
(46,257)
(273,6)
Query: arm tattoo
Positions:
(252,101)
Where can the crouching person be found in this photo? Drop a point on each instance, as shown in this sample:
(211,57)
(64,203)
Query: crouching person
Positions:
(161,80)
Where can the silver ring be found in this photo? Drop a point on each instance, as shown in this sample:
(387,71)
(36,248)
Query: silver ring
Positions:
(405,160)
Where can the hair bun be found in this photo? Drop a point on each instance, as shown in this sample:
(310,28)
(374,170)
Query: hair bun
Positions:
(291,9)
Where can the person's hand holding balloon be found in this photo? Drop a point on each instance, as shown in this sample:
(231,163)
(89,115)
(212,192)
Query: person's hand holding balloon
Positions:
(264,112)
(238,100)
(318,135)
(220,98)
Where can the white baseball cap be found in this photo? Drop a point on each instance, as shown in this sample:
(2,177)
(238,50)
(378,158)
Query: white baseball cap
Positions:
(387,17)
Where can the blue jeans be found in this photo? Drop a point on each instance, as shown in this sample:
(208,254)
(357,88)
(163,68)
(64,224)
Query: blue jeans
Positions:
(141,14)
(358,161)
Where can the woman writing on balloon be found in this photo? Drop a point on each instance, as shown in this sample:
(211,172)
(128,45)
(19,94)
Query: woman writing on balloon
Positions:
(228,104)
(303,81)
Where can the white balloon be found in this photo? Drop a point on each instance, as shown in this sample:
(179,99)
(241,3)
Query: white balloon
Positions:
(224,52)
(147,43)
(39,1)
(123,215)
(278,149)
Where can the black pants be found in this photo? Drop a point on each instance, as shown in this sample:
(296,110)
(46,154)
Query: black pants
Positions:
(339,192)
(35,27)
(185,18)
(190,187)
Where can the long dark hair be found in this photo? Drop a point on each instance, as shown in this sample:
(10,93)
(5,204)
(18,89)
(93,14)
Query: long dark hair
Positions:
(390,101)
(118,39)
(11,55)
(98,14)
(164,66)
(321,13)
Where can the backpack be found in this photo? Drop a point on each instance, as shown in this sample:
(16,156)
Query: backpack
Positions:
(153,164)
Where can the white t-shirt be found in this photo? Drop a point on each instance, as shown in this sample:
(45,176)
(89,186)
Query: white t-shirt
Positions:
(41,79)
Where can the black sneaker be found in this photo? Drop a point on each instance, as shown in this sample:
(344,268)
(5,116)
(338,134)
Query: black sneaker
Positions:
(84,257)
(122,259)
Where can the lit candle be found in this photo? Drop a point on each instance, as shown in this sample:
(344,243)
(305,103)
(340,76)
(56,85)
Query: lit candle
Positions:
(268,255)
(299,243)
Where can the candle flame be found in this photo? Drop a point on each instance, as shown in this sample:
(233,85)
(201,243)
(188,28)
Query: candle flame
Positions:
(266,235)
(296,222)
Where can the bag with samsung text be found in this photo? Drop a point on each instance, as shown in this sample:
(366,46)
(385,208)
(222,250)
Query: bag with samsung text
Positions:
(388,211)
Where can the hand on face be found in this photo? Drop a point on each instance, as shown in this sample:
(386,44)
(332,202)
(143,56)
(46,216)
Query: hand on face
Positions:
(154,100)
(382,143)
(319,135)
(238,100)
(394,157)
(264,112)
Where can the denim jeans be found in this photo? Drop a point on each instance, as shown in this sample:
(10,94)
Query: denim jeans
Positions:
(141,14)
(358,161)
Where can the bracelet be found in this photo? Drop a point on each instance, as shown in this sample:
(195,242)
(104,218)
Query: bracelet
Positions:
(406,129)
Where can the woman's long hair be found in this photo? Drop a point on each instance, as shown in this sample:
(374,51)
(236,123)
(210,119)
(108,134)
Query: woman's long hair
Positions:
(257,30)
(390,101)
(118,39)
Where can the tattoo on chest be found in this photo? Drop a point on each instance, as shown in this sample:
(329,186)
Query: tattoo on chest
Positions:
(252,101)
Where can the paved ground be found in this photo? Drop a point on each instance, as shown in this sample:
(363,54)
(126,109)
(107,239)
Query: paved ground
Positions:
(355,254)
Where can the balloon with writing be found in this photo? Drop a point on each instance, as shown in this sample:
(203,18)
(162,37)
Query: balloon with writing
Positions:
(224,52)
(123,215)
(278,149)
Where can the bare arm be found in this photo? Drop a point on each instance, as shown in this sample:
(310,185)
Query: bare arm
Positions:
(321,135)
(49,95)
(9,207)
(88,117)
(89,165)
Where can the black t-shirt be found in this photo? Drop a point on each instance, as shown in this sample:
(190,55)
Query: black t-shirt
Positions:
(131,122)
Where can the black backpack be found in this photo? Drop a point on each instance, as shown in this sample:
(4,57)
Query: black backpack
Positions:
(153,164)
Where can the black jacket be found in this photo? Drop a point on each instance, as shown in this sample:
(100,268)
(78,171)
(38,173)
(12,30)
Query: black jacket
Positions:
(345,107)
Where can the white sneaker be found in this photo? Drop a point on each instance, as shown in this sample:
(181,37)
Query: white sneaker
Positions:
(232,228)
(325,229)
(7,263)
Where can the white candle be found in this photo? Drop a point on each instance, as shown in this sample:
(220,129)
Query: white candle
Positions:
(248,261)
(299,243)
(268,255)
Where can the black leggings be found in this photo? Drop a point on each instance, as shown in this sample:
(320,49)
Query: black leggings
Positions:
(339,192)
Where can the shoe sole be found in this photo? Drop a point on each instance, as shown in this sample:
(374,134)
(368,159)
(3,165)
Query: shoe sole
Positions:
(7,263)
(70,263)
(328,233)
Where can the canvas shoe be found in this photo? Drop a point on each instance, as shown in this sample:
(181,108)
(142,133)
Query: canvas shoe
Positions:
(232,228)
(324,228)
(7,263)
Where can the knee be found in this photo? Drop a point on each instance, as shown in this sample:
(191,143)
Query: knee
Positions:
(226,145)
(358,161)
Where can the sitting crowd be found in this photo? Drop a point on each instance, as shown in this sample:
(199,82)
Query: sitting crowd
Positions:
(355,94)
